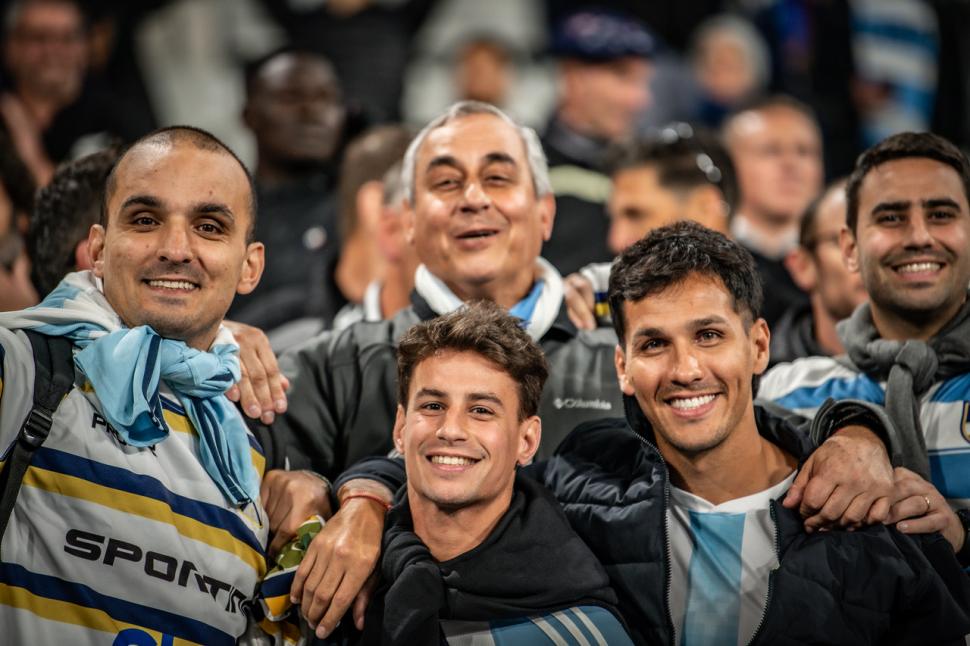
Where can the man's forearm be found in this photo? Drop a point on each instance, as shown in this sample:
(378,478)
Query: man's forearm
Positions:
(379,475)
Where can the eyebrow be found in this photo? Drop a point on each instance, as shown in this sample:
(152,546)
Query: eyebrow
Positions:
(141,200)
(488,397)
(499,158)
(694,325)
(902,205)
(443,160)
(153,202)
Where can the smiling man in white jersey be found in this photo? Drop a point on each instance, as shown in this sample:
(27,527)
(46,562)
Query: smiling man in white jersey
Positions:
(139,519)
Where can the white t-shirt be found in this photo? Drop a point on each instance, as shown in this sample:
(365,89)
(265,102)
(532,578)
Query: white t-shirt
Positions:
(721,556)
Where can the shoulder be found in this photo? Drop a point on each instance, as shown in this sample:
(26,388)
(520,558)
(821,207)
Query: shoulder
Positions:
(805,384)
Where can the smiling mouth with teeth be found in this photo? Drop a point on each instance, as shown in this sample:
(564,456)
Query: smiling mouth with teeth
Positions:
(176,285)
(452,460)
(918,267)
(690,403)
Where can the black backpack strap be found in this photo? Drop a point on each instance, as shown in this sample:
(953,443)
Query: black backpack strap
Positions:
(53,380)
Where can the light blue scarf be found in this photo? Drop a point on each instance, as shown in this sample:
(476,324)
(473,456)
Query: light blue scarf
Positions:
(126,366)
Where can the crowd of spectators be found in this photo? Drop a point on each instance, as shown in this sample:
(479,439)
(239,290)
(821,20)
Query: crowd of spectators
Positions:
(374,165)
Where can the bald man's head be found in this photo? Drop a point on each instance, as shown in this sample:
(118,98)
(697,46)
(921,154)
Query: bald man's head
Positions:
(172,137)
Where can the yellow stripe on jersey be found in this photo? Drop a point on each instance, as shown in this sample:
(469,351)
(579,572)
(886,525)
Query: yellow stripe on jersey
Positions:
(67,612)
(131,503)
(180,424)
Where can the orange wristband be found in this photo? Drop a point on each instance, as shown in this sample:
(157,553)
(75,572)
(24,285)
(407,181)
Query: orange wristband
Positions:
(365,494)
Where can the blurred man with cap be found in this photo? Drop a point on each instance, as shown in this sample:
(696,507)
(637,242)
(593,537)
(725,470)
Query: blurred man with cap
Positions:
(605,71)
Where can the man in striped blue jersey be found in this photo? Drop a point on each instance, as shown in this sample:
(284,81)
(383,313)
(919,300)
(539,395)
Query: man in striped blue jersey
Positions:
(139,519)
(908,236)
(696,458)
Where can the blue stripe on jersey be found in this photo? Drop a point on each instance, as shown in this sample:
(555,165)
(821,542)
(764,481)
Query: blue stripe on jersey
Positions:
(178,410)
(955,389)
(860,387)
(119,609)
(714,580)
(142,485)
(950,472)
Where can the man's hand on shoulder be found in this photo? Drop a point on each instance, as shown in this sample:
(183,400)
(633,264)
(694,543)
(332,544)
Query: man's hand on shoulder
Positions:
(290,497)
(261,392)
(919,508)
(847,482)
(339,566)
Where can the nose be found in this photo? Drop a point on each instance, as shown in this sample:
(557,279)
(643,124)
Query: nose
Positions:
(452,427)
(686,368)
(621,235)
(474,198)
(175,244)
(918,233)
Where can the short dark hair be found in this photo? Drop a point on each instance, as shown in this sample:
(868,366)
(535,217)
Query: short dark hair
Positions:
(685,157)
(903,146)
(201,139)
(807,228)
(486,329)
(669,255)
(63,213)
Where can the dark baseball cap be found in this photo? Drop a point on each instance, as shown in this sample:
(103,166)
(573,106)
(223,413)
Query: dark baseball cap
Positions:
(601,35)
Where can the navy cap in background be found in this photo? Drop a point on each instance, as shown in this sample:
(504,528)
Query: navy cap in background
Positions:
(600,35)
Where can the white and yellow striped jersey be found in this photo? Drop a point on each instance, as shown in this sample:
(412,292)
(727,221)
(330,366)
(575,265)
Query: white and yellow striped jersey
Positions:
(118,545)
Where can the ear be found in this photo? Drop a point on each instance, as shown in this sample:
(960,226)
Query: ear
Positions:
(252,268)
(850,249)
(801,266)
(407,221)
(82,255)
(398,433)
(619,360)
(95,244)
(530,434)
(547,214)
(760,337)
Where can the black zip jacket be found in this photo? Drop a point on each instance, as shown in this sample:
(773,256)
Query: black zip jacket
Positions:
(872,586)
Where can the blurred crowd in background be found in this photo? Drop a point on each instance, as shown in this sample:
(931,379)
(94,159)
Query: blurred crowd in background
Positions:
(735,112)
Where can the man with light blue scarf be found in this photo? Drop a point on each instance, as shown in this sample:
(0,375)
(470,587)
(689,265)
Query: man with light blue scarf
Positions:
(144,499)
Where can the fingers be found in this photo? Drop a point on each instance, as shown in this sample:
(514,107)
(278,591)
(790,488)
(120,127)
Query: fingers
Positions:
(831,509)
(580,302)
(302,572)
(262,389)
(879,512)
(914,506)
(796,492)
(317,593)
(815,495)
(936,522)
(363,600)
(857,512)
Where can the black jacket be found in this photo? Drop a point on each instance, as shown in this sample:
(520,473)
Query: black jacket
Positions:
(872,586)
(343,391)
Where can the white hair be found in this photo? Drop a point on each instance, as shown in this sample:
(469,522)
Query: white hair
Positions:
(742,33)
(538,165)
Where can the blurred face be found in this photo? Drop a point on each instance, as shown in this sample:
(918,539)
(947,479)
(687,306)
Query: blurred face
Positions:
(605,99)
(296,109)
(912,241)
(688,358)
(724,69)
(639,203)
(174,252)
(476,221)
(840,290)
(482,73)
(47,53)
(778,158)
(461,435)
